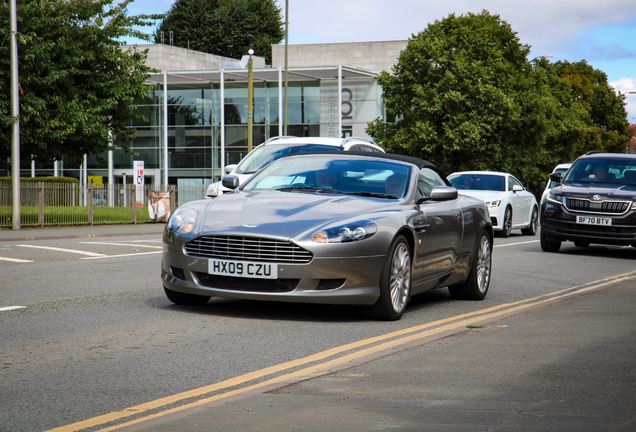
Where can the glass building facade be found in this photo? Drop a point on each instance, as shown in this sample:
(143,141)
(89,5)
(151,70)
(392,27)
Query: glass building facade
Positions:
(200,124)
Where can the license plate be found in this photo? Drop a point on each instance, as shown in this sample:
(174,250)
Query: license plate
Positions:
(244,269)
(588,220)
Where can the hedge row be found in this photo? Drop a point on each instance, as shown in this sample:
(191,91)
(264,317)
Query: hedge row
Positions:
(42,179)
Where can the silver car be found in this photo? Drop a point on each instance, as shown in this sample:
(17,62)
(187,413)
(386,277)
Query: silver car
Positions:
(334,227)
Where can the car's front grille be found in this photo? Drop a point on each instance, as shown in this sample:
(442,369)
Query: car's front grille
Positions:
(246,284)
(608,207)
(247,249)
(611,231)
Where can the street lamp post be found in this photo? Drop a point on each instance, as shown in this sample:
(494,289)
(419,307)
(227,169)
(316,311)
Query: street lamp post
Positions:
(250,95)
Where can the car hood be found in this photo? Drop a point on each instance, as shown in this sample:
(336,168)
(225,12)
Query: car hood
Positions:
(483,195)
(281,214)
(605,190)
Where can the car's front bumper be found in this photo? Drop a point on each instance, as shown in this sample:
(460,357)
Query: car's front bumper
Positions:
(496,217)
(558,223)
(342,280)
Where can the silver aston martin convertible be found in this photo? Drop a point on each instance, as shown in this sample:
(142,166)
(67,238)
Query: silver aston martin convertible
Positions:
(332,227)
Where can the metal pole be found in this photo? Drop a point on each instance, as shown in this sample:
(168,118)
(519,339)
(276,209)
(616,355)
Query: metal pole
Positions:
(286,61)
(222,96)
(250,105)
(165,131)
(340,101)
(15,112)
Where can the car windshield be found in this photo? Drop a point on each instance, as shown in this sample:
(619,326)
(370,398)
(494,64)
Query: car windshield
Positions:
(619,171)
(487,182)
(354,176)
(552,183)
(266,154)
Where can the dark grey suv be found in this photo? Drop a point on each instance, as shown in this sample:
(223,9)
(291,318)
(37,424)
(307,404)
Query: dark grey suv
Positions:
(593,203)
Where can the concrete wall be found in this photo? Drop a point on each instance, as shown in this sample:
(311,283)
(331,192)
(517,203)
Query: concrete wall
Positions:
(368,56)
(170,58)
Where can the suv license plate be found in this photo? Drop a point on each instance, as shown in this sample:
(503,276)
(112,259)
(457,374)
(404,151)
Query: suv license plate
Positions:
(587,220)
(246,269)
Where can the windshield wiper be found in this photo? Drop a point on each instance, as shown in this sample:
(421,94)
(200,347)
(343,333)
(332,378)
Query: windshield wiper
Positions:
(373,195)
(291,188)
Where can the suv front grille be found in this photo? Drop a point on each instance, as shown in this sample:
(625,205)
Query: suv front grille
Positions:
(247,249)
(608,207)
(592,231)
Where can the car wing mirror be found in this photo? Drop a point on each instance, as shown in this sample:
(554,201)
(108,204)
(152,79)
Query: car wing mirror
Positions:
(517,188)
(555,177)
(230,182)
(443,193)
(229,168)
(542,185)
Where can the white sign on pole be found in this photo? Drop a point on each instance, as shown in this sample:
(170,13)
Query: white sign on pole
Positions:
(139,182)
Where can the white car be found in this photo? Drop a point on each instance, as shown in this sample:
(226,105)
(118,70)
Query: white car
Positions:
(277,147)
(562,168)
(510,205)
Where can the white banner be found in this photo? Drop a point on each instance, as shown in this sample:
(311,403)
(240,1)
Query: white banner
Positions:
(139,182)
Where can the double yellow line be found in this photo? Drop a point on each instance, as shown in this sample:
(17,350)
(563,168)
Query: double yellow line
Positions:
(375,346)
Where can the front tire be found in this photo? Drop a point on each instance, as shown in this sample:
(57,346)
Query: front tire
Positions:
(548,245)
(478,282)
(185,299)
(534,224)
(395,282)
(507,224)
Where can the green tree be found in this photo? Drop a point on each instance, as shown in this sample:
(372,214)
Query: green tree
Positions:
(77,82)
(607,126)
(465,96)
(220,27)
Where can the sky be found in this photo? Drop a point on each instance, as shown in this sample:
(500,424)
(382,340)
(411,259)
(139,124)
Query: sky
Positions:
(602,33)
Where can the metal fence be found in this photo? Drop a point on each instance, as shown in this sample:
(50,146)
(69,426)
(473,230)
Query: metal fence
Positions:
(48,204)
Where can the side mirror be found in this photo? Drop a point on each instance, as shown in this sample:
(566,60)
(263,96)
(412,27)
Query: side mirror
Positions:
(542,185)
(516,188)
(443,193)
(555,177)
(230,182)
(229,168)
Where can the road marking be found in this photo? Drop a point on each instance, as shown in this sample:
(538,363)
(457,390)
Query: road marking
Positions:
(14,260)
(122,255)
(377,344)
(121,244)
(10,308)
(518,243)
(75,251)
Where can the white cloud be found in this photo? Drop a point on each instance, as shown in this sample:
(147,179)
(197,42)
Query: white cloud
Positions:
(625,86)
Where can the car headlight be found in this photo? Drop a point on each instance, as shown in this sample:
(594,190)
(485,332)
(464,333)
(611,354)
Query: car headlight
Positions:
(345,233)
(496,203)
(555,198)
(183,220)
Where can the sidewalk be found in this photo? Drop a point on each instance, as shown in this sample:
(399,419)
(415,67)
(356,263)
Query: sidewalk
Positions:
(569,365)
(79,231)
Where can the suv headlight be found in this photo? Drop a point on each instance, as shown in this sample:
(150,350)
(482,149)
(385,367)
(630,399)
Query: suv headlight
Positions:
(555,198)
(345,233)
(495,203)
(183,220)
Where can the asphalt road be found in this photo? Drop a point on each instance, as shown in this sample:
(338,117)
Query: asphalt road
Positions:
(94,333)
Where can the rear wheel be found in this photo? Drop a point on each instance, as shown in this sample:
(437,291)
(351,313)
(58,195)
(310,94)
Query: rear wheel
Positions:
(549,245)
(185,299)
(476,286)
(395,282)
(534,224)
